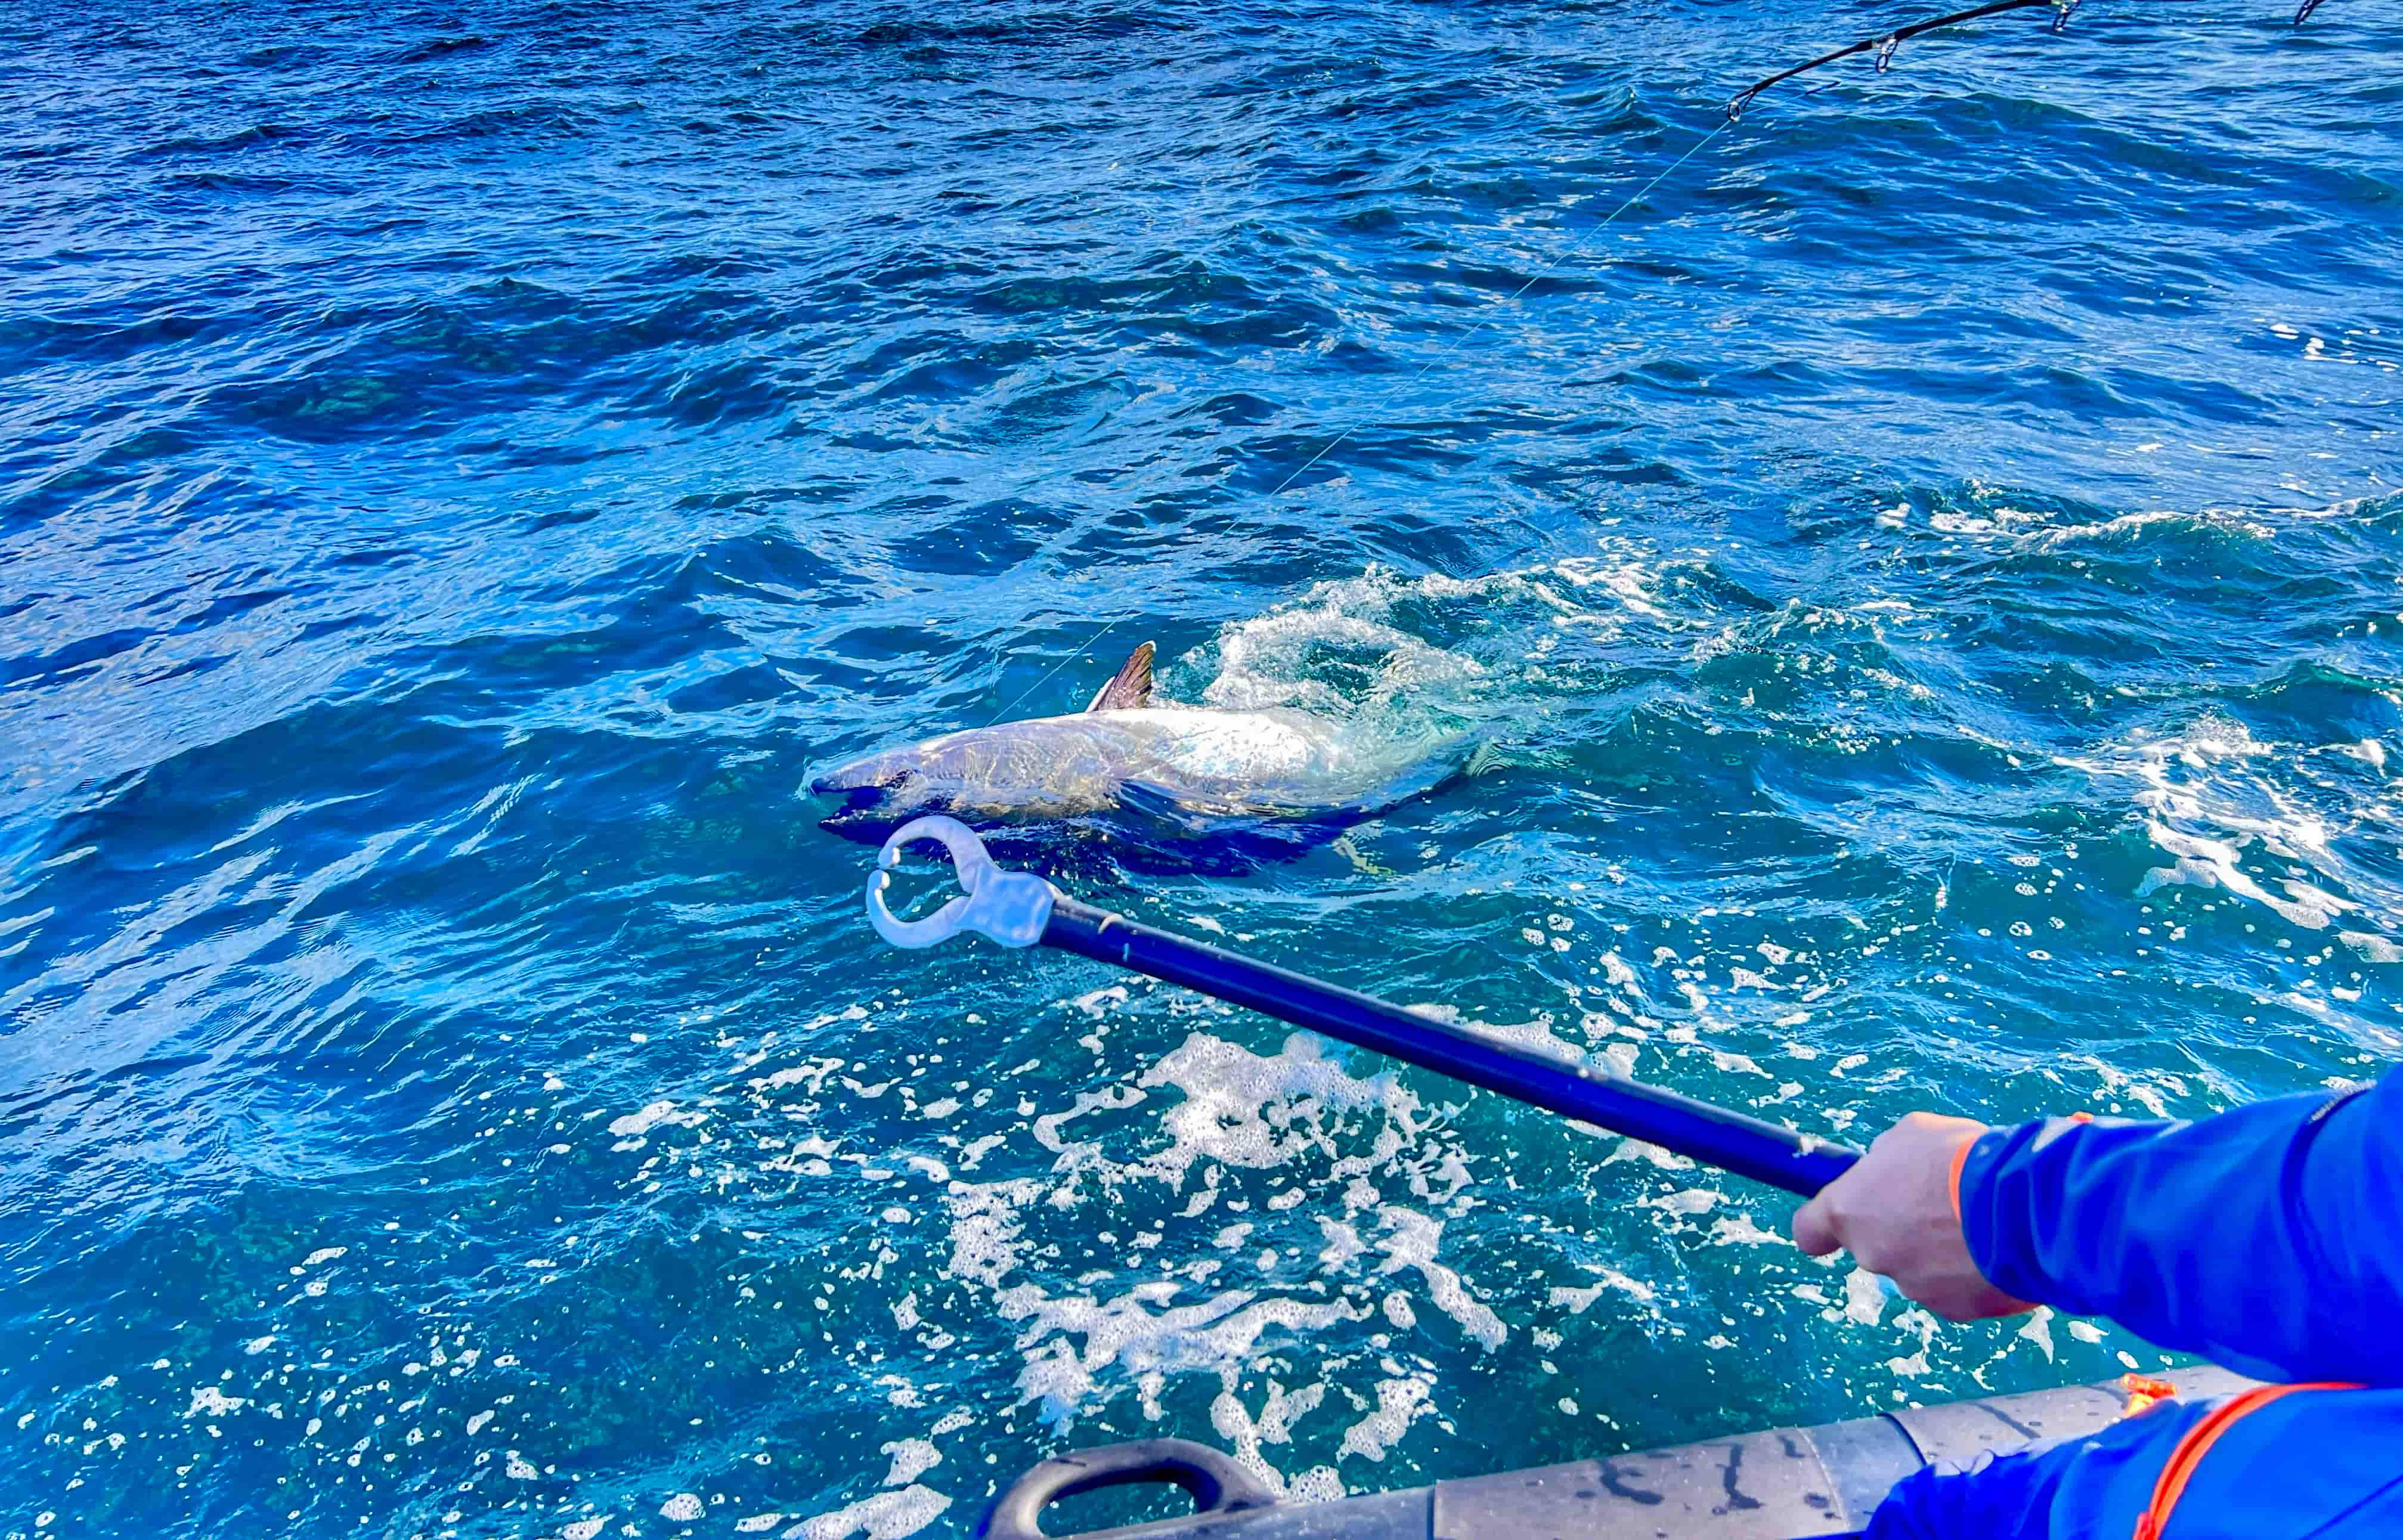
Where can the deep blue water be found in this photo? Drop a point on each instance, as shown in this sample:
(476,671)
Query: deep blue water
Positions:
(1928,578)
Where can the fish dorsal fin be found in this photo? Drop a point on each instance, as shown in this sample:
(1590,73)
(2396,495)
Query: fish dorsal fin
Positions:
(1130,689)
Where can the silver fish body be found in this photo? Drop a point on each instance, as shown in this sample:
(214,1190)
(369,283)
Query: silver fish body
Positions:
(1146,776)
(1223,763)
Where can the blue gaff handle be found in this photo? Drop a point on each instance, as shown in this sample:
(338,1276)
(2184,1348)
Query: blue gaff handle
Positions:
(1716,1136)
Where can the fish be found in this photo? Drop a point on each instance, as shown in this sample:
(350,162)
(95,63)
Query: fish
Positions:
(1161,784)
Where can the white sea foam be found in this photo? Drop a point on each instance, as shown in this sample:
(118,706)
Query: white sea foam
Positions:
(2038,1330)
(1409,1242)
(1289,1160)
(1220,1334)
(1577,1300)
(1353,648)
(1535,1036)
(2127,525)
(1215,1110)
(1274,1425)
(1230,1093)
(2209,799)
(635,1124)
(886,1516)
(1399,1403)
(985,1228)
(1864,1297)
(1741,1229)
(1110,1098)
(1634,583)
(1269,660)
(811,1076)
(207,1400)
(1637,1149)
(1343,1243)
(2372,949)
(911,1458)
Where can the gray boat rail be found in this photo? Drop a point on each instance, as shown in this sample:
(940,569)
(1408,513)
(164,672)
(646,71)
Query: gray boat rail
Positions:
(1782,1484)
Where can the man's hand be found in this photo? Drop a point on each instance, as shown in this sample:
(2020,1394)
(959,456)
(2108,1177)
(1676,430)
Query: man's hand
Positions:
(1893,1213)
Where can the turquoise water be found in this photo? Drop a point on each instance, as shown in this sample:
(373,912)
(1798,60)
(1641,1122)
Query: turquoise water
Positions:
(1926,579)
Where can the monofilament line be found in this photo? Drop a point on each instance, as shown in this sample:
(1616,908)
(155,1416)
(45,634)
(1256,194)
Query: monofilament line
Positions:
(1450,350)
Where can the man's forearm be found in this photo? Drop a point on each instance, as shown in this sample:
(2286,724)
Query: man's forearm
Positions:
(2269,1238)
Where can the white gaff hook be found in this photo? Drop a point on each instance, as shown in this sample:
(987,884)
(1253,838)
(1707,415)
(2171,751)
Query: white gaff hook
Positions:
(1008,906)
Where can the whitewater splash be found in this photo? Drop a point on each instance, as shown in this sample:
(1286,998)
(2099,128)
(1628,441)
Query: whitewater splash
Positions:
(2253,818)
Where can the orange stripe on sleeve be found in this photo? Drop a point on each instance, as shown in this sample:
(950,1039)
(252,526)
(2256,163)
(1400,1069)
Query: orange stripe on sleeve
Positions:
(2171,1485)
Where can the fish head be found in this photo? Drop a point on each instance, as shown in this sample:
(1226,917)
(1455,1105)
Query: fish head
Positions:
(1051,772)
(870,776)
(1001,772)
(880,791)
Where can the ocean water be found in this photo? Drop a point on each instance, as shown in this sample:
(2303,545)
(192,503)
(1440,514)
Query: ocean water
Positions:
(1926,576)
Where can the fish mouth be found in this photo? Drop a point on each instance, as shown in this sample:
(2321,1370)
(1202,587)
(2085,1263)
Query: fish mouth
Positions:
(876,796)
(866,816)
(857,778)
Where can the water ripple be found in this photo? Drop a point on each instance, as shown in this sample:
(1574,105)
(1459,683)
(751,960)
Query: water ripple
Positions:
(1923,579)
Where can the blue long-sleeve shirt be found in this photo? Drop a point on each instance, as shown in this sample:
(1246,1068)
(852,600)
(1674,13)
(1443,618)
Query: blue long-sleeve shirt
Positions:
(2269,1238)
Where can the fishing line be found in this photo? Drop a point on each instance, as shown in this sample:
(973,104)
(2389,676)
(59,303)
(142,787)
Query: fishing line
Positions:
(1450,350)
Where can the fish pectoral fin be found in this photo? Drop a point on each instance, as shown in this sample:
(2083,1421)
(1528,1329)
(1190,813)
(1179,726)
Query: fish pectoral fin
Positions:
(1148,796)
(1130,689)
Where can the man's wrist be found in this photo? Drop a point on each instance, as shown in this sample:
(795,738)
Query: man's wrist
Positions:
(1999,1234)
